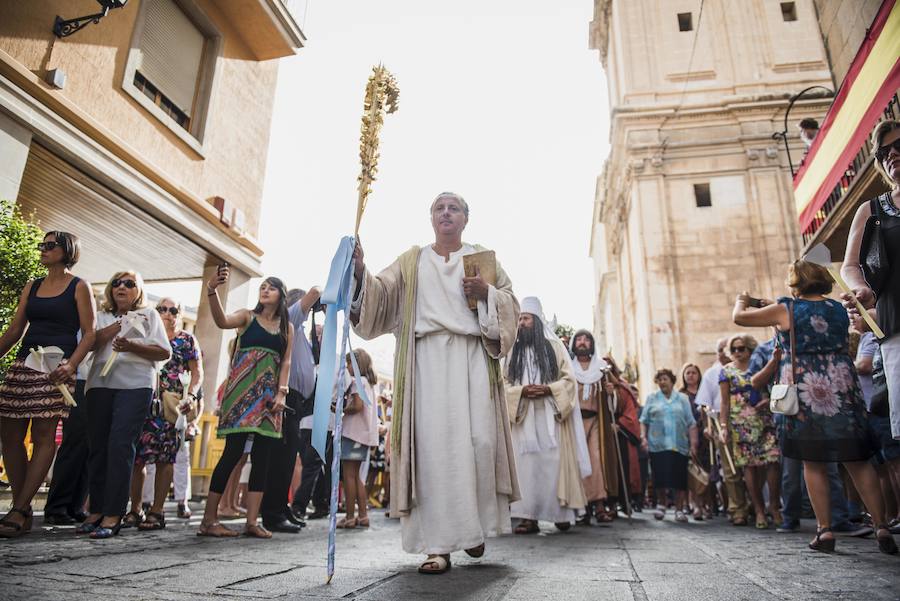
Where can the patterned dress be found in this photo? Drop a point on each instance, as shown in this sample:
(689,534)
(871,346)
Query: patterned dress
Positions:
(252,385)
(159,442)
(754,441)
(832,423)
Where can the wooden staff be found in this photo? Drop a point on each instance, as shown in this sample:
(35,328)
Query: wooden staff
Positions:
(612,420)
(724,446)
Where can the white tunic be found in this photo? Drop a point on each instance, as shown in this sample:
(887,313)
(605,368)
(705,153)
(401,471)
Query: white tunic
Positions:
(455,426)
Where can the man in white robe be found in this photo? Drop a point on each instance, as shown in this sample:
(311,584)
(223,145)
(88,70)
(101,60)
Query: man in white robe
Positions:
(540,390)
(452,468)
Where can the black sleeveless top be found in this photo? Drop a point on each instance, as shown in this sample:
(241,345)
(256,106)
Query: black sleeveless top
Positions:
(52,321)
(257,336)
(888,302)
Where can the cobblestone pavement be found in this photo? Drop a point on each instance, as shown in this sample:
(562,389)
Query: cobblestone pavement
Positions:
(646,560)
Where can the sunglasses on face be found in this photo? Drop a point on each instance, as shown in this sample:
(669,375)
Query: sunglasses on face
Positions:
(127,283)
(48,245)
(739,349)
(882,153)
(171,310)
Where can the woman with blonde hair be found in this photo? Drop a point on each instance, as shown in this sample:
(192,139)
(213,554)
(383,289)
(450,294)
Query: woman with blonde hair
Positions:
(748,429)
(118,402)
(830,425)
(360,434)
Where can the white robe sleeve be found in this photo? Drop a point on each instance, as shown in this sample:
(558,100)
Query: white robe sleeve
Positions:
(488,319)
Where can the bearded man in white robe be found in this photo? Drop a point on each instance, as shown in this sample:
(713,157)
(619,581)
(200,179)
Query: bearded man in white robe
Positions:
(540,391)
(453,472)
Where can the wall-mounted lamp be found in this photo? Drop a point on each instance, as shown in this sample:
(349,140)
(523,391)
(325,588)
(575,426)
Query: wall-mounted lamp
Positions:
(66,27)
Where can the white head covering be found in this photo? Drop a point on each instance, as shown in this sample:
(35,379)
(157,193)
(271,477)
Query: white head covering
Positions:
(532,305)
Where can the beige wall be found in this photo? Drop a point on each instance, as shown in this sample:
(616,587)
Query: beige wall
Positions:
(843,24)
(667,270)
(237,131)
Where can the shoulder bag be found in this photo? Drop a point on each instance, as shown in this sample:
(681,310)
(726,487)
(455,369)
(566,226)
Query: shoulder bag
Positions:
(873,256)
(784,399)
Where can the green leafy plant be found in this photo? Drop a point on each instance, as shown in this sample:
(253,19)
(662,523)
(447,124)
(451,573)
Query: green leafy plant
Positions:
(20,261)
(564,331)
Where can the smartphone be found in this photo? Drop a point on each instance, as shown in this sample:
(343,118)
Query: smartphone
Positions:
(221,267)
(756,303)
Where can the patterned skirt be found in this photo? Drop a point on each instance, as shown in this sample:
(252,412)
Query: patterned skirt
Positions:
(249,394)
(26,393)
(158,442)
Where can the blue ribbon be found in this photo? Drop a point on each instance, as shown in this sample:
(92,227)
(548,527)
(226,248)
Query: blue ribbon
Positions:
(337,297)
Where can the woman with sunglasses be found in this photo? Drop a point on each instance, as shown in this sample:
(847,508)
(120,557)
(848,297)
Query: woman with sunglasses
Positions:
(253,397)
(830,425)
(747,428)
(52,311)
(118,402)
(159,444)
(886,281)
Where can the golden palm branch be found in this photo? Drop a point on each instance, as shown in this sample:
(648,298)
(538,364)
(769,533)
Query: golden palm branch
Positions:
(382,96)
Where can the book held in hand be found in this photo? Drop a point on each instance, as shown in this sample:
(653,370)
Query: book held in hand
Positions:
(484,263)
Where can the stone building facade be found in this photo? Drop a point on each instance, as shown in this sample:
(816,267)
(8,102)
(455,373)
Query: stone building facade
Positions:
(694,203)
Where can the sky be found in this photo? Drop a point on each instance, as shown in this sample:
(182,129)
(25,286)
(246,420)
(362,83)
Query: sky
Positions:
(501,101)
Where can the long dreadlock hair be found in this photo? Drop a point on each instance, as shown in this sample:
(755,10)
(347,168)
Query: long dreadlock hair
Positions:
(543,354)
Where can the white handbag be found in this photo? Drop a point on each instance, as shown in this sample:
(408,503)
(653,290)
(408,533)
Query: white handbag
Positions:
(784,399)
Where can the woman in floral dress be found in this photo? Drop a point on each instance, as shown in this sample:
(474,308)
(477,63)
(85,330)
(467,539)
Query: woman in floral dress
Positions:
(747,423)
(830,425)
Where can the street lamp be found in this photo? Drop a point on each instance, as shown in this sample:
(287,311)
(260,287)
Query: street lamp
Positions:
(66,27)
(783,135)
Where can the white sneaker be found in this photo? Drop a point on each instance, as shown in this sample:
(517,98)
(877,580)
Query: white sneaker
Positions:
(680,517)
(660,512)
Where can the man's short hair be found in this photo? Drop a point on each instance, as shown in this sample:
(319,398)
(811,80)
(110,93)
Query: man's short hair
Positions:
(808,124)
(455,196)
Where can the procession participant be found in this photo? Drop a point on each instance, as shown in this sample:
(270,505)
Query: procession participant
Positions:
(540,392)
(254,396)
(52,310)
(588,369)
(710,396)
(622,397)
(276,515)
(453,469)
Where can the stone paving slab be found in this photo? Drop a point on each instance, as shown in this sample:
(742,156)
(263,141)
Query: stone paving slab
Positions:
(644,561)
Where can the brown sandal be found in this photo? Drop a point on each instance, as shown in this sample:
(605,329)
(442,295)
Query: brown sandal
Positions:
(256,531)
(527,527)
(441,564)
(153,521)
(215,530)
(476,551)
(348,523)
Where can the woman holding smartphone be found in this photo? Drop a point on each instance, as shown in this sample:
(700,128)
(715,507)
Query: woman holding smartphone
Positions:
(254,395)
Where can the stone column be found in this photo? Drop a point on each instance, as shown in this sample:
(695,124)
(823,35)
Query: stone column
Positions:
(15,142)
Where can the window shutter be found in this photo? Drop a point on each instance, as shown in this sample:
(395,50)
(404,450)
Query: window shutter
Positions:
(171,52)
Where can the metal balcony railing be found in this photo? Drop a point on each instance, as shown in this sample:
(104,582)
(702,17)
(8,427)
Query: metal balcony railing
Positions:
(860,162)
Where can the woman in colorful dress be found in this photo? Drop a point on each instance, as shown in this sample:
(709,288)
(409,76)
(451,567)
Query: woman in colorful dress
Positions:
(360,435)
(159,443)
(831,424)
(749,430)
(54,309)
(118,402)
(253,398)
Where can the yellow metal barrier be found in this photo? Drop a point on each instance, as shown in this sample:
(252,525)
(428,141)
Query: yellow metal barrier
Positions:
(205,451)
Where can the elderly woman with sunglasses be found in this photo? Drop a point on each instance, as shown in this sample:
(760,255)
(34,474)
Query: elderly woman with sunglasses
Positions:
(880,287)
(52,311)
(118,402)
(159,443)
(748,431)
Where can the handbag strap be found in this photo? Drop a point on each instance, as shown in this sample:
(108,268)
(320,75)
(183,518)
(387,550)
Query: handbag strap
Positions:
(793,340)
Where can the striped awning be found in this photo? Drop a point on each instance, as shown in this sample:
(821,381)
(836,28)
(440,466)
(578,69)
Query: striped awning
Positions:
(872,80)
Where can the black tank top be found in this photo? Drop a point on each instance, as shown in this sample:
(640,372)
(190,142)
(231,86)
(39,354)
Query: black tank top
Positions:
(257,336)
(888,302)
(52,321)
